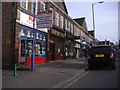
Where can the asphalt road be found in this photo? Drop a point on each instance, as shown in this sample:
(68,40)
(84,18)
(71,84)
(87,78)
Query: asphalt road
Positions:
(98,78)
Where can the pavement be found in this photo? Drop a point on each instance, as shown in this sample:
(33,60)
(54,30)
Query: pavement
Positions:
(55,74)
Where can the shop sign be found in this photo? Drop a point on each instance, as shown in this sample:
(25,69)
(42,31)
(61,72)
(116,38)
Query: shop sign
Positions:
(26,19)
(44,19)
(57,33)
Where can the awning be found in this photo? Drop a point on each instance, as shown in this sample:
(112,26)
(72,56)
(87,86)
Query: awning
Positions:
(81,44)
(78,42)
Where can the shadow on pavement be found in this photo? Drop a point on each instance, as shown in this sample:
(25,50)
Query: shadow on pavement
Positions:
(65,65)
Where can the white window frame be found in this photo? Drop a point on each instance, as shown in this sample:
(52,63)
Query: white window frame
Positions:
(57,18)
(32,6)
(72,28)
(42,8)
(78,32)
(26,2)
(66,24)
(61,21)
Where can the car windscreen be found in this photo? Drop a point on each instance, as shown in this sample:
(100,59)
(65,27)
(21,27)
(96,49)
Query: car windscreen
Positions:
(97,50)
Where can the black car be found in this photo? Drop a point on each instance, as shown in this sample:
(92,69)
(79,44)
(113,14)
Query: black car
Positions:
(101,55)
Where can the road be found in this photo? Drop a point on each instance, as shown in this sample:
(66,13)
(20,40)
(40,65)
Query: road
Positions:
(62,74)
(98,78)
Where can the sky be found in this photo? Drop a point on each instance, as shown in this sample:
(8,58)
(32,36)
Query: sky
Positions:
(106,17)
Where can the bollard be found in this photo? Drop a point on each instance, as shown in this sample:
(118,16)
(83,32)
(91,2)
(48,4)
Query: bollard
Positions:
(15,70)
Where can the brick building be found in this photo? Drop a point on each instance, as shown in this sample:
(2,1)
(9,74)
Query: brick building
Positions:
(20,36)
(24,43)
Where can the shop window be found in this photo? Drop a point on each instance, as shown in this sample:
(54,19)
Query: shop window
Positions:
(28,34)
(24,4)
(28,48)
(22,33)
(23,48)
(39,49)
(44,38)
(58,49)
(41,37)
(37,36)
(43,48)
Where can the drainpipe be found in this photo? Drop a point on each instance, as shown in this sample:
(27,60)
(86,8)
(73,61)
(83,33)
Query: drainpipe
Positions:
(13,38)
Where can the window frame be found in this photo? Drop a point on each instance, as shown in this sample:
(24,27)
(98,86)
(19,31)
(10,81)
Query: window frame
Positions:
(57,18)
(41,8)
(61,21)
(26,4)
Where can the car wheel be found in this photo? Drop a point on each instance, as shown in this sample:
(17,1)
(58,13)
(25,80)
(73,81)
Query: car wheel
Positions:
(90,66)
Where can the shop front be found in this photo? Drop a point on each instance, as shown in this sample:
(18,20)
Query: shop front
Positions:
(69,46)
(31,44)
(56,45)
(78,49)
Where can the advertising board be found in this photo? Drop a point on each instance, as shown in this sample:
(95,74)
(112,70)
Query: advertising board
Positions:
(44,19)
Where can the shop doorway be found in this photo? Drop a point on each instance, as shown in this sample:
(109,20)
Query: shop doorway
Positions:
(25,51)
(51,51)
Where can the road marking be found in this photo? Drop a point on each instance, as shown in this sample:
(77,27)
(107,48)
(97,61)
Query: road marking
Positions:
(76,80)
(71,80)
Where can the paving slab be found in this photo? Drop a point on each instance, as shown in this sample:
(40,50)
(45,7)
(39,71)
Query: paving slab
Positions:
(48,75)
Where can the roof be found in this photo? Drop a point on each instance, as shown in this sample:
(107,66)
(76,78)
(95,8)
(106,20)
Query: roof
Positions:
(79,20)
(65,7)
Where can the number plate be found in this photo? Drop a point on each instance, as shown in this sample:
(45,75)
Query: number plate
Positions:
(99,55)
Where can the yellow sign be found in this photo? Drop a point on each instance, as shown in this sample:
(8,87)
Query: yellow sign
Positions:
(8,42)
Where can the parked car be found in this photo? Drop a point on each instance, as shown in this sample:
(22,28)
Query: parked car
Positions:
(101,55)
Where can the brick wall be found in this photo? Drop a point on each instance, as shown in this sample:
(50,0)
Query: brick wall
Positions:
(7,35)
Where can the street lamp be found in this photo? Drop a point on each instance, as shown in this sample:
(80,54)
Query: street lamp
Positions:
(93,15)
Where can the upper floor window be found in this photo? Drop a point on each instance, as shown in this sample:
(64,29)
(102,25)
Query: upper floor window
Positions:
(75,30)
(77,33)
(42,6)
(56,18)
(65,24)
(71,28)
(24,4)
(61,21)
(32,6)
(68,26)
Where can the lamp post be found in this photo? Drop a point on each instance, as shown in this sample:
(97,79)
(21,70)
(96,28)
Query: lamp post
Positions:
(93,14)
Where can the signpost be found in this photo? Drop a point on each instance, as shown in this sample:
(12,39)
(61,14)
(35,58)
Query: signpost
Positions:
(44,19)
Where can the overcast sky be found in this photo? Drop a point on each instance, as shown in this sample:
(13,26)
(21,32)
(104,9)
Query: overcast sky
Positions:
(106,17)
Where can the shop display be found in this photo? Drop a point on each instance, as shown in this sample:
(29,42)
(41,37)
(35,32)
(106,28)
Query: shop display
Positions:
(32,42)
